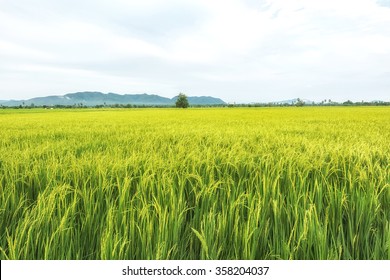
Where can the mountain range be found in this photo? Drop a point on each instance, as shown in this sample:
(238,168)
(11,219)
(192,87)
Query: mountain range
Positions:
(98,98)
(294,101)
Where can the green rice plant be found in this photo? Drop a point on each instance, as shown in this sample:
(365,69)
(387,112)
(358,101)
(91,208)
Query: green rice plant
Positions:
(226,183)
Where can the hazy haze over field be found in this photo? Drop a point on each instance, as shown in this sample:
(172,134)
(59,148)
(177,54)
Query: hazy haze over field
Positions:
(240,51)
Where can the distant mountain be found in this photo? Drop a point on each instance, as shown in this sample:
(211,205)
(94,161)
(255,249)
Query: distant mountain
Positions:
(293,101)
(97,98)
(202,100)
(377,101)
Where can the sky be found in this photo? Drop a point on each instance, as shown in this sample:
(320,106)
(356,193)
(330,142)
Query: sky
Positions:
(241,51)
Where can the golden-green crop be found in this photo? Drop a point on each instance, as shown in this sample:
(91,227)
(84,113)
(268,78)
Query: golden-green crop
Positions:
(227,183)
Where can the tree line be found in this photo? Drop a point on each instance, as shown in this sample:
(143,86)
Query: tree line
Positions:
(182,102)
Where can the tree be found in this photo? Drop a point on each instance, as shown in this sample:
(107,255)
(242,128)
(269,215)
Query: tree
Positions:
(182,101)
(299,103)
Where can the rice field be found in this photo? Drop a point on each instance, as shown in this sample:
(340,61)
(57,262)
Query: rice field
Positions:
(226,183)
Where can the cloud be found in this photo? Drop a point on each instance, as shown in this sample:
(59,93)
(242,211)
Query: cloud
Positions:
(243,51)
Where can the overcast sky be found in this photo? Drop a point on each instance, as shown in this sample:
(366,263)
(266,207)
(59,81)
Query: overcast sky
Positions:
(240,51)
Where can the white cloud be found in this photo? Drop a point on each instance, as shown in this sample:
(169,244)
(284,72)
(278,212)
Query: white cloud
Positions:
(238,50)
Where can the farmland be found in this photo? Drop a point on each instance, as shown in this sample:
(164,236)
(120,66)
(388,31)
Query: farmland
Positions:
(226,183)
